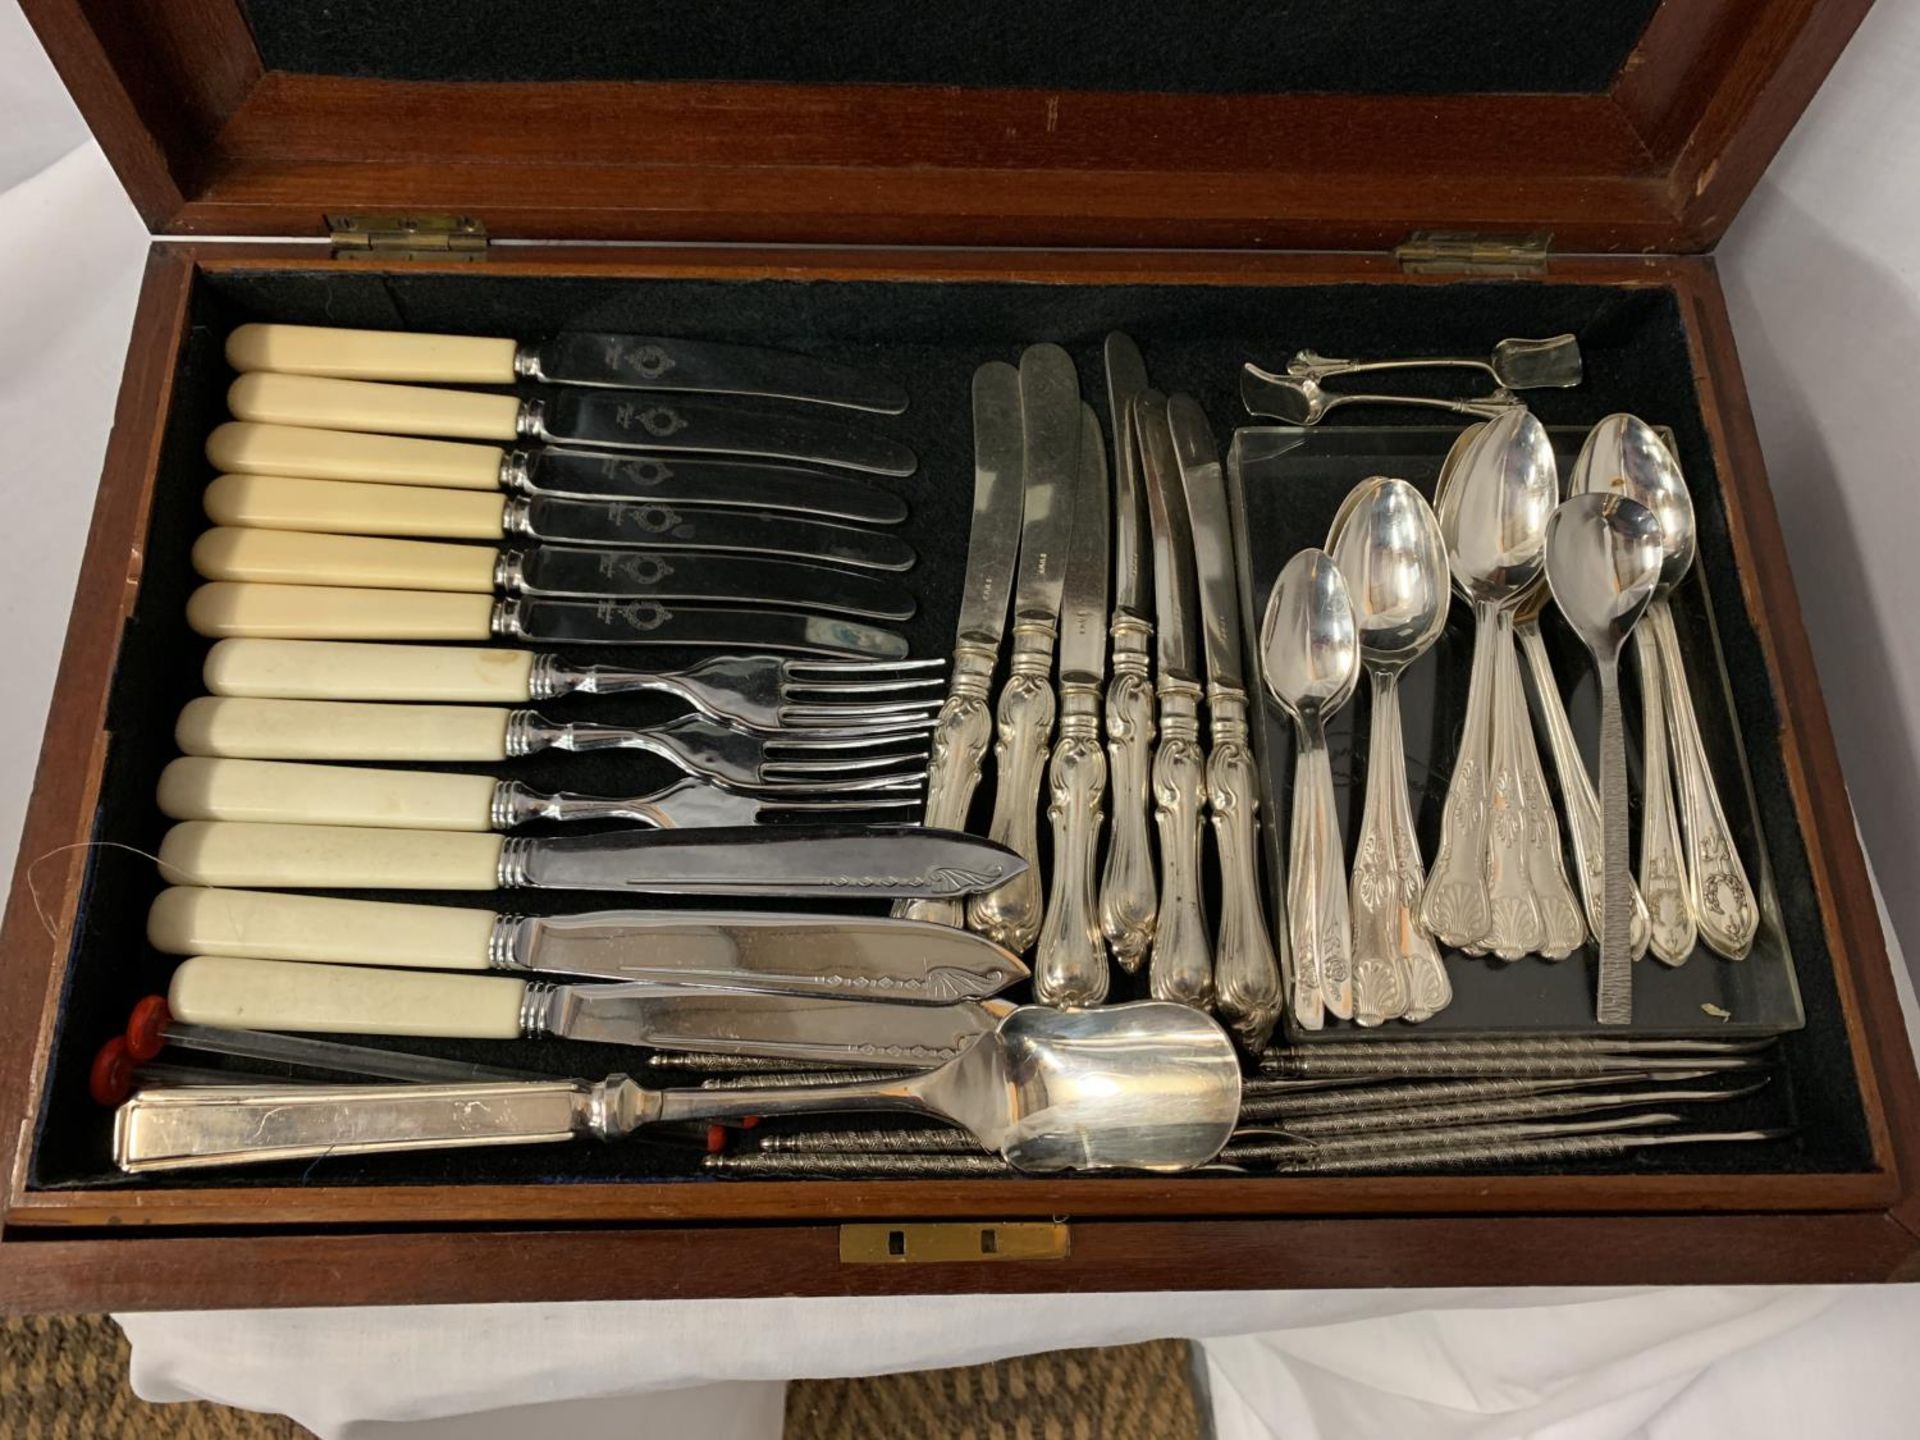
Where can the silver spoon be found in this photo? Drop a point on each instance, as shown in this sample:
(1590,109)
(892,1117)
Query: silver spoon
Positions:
(1310,662)
(1480,890)
(1388,546)
(1148,1086)
(1603,561)
(1625,455)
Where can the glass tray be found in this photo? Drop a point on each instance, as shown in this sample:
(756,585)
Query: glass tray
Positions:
(1287,483)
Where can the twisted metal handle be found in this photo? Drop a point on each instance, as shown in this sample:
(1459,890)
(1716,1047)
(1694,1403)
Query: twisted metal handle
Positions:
(1129,902)
(1070,967)
(1614,1004)
(1180,964)
(961,733)
(1246,974)
(1010,914)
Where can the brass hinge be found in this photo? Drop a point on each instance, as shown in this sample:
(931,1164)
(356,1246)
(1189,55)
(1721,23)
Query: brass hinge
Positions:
(408,237)
(1443,252)
(928,1244)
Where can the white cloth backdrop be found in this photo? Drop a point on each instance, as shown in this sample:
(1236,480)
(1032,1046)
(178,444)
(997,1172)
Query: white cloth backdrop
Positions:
(1823,272)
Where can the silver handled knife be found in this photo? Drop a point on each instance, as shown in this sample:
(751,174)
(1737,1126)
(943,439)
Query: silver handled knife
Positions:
(1050,431)
(1246,975)
(965,725)
(590,418)
(1180,963)
(1070,968)
(248,994)
(845,862)
(573,357)
(241,448)
(850,956)
(1128,900)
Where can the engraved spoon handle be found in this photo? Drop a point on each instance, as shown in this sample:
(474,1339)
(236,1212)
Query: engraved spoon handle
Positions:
(1380,974)
(1514,923)
(1429,991)
(1317,915)
(1663,868)
(1564,927)
(1722,898)
(1455,906)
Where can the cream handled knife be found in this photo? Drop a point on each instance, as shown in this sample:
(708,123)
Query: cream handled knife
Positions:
(965,725)
(1050,429)
(247,994)
(1180,964)
(850,956)
(1246,976)
(621,362)
(790,862)
(567,417)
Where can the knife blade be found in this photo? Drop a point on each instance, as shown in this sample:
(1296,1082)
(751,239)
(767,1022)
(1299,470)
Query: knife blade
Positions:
(846,862)
(289,557)
(1246,973)
(242,448)
(590,418)
(250,994)
(1180,961)
(964,725)
(1129,903)
(854,957)
(1071,968)
(1050,450)
(660,526)
(573,357)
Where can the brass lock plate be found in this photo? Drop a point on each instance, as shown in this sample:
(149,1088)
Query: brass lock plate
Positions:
(953,1242)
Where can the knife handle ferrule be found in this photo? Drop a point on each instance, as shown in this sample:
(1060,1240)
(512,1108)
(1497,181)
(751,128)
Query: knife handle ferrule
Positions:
(961,734)
(1128,899)
(1180,965)
(530,421)
(1070,968)
(1245,972)
(1010,913)
(537,1000)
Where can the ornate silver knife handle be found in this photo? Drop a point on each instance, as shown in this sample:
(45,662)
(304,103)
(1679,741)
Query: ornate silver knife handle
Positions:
(1576,785)
(1317,915)
(961,734)
(1070,968)
(1246,976)
(1663,866)
(1455,906)
(1723,899)
(1180,966)
(1128,900)
(1010,914)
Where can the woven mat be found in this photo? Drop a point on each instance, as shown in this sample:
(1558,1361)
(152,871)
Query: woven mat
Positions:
(65,1378)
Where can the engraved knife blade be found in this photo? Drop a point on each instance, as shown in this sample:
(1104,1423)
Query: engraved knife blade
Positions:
(659,526)
(563,571)
(658,362)
(649,622)
(699,480)
(716,427)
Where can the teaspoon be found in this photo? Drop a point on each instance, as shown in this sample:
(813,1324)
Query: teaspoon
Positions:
(1603,557)
(1388,546)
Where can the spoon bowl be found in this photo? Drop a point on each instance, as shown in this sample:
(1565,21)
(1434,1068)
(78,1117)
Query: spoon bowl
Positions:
(1494,509)
(1309,646)
(1623,455)
(1388,546)
(1605,554)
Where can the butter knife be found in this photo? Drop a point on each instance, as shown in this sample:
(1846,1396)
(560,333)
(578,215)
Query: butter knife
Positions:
(851,956)
(241,448)
(567,417)
(965,724)
(573,357)
(1180,963)
(1246,975)
(249,994)
(1070,967)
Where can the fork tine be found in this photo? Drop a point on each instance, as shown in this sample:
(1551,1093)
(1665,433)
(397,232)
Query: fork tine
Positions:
(912,740)
(917,712)
(919,691)
(831,727)
(771,786)
(775,772)
(872,802)
(792,669)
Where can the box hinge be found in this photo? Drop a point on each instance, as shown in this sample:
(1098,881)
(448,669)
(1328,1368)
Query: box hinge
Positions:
(408,237)
(951,1242)
(1444,252)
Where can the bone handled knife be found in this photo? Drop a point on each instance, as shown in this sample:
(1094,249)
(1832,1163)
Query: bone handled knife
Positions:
(1128,900)
(965,725)
(1180,962)
(290,557)
(344,507)
(250,994)
(222,609)
(1246,974)
(787,862)
(1070,966)
(575,357)
(241,448)
(567,417)
(850,956)
(1050,449)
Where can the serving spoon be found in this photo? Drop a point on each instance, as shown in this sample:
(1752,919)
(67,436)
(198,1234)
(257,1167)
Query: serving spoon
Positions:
(1148,1086)
(1389,548)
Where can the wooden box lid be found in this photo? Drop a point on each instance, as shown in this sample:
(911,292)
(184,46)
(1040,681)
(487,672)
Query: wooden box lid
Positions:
(1631,125)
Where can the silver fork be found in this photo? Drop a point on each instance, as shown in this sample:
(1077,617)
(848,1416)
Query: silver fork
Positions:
(767,692)
(795,764)
(688,803)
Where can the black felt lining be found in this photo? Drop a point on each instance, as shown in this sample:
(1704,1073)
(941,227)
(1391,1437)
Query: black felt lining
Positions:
(931,336)
(1365,47)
